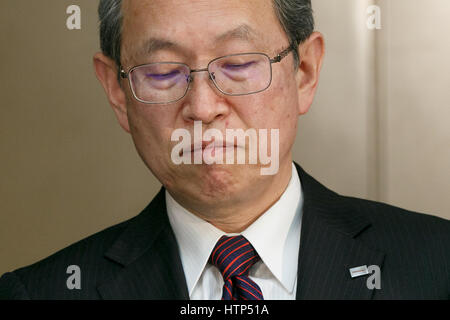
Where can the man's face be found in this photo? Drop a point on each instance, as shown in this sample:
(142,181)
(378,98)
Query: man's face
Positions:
(200,31)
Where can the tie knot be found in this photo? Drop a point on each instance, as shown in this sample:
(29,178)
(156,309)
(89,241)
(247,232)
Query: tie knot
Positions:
(233,256)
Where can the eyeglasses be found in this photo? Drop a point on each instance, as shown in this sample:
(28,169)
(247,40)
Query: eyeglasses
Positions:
(233,75)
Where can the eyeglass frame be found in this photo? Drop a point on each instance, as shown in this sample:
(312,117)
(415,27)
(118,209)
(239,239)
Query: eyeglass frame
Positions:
(282,54)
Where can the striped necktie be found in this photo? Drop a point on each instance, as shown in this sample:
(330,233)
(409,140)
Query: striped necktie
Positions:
(234,256)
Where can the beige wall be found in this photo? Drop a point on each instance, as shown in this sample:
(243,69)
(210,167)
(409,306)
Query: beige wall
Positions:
(378,128)
(414,67)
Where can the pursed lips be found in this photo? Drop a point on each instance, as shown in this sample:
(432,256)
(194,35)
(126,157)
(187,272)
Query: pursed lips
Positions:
(212,145)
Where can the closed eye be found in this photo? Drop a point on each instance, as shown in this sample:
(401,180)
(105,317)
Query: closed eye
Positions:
(232,66)
(163,76)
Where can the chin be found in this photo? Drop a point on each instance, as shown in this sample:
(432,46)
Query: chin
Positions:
(227,182)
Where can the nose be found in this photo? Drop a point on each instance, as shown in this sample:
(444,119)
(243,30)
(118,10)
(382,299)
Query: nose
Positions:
(204,102)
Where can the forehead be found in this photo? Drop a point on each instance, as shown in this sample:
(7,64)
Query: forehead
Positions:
(197,24)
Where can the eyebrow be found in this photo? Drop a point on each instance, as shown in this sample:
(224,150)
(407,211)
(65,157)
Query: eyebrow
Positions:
(155,44)
(242,32)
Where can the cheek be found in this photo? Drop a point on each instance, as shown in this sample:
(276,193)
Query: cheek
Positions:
(151,131)
(151,135)
(280,112)
(277,107)
(148,120)
(287,98)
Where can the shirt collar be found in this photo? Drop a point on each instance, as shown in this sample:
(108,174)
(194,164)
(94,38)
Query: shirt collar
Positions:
(196,239)
(275,235)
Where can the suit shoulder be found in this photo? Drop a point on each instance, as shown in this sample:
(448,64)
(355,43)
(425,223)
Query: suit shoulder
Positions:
(401,225)
(380,210)
(87,248)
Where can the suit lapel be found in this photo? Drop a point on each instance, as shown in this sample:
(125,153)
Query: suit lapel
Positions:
(147,252)
(329,245)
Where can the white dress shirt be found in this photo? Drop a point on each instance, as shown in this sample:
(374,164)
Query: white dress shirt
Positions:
(275,235)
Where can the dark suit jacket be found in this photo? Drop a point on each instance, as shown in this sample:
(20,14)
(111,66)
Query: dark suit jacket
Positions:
(139,258)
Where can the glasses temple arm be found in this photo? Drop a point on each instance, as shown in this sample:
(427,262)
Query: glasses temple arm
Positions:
(282,54)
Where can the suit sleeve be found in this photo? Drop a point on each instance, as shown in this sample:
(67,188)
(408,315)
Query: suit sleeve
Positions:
(12,288)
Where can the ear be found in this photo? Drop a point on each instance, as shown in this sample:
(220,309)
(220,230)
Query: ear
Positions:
(106,72)
(311,57)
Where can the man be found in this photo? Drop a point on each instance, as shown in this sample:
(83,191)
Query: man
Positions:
(230,230)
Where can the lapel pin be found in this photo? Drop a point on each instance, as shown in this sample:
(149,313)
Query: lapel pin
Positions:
(358,271)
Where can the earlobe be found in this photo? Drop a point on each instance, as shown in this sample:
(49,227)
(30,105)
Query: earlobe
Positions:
(106,72)
(311,57)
